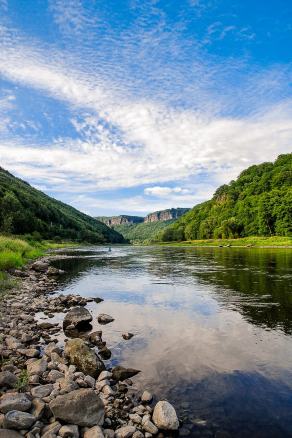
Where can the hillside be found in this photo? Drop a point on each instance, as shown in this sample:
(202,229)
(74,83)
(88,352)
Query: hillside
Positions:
(144,232)
(257,203)
(25,210)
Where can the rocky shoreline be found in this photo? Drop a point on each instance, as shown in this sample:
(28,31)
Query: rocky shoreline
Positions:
(50,390)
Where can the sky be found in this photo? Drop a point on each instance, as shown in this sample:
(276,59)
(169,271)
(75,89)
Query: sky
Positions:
(128,107)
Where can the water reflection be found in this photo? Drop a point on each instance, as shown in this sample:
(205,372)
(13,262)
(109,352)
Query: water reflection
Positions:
(212,329)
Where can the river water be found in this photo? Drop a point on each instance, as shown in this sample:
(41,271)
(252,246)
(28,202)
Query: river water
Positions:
(213,329)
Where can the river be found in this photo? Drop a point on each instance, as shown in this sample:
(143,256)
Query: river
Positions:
(213,329)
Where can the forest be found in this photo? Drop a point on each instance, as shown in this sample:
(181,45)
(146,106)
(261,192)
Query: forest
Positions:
(27,211)
(257,203)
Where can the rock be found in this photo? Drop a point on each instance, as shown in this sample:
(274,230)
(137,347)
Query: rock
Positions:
(38,366)
(40,266)
(120,373)
(94,432)
(97,300)
(104,375)
(103,318)
(109,433)
(78,317)
(164,416)
(146,397)
(105,353)
(127,336)
(55,375)
(148,426)
(6,433)
(138,434)
(125,432)
(82,407)
(42,391)
(90,381)
(14,402)
(83,357)
(95,337)
(18,420)
(38,407)
(69,431)
(54,271)
(7,379)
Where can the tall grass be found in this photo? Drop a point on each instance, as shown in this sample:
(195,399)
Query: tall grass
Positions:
(15,252)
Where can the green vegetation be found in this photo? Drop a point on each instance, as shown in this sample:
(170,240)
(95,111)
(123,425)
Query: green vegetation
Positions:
(258,203)
(22,381)
(16,252)
(145,232)
(23,210)
(254,241)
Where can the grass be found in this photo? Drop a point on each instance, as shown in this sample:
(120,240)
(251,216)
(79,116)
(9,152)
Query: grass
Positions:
(254,241)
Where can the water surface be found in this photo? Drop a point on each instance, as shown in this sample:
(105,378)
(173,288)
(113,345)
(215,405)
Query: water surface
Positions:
(212,329)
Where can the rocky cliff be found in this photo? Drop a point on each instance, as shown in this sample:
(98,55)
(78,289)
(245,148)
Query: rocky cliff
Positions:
(165,215)
(112,221)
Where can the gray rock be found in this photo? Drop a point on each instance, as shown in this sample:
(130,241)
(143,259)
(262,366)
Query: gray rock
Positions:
(18,420)
(38,366)
(78,317)
(83,357)
(120,373)
(164,416)
(52,428)
(6,433)
(125,432)
(69,431)
(138,434)
(14,402)
(109,433)
(127,336)
(40,266)
(104,375)
(42,391)
(82,407)
(103,318)
(7,379)
(94,432)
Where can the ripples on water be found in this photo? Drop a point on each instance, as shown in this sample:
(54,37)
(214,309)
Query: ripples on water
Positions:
(212,329)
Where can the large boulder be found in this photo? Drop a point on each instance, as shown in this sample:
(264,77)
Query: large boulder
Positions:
(82,407)
(77,318)
(120,373)
(85,359)
(18,420)
(14,402)
(40,266)
(164,416)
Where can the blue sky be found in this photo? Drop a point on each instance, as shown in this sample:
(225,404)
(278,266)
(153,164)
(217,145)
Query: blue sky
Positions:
(126,107)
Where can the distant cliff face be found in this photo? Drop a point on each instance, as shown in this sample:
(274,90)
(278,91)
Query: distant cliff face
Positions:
(111,221)
(165,215)
(157,216)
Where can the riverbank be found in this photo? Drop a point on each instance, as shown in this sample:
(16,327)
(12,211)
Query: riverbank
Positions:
(51,390)
(253,241)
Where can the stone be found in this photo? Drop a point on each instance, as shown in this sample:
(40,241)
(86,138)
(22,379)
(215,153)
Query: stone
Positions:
(69,431)
(7,379)
(82,407)
(94,432)
(90,381)
(12,401)
(38,408)
(164,416)
(83,357)
(55,375)
(104,375)
(78,317)
(105,353)
(125,432)
(95,337)
(52,428)
(146,397)
(138,434)
(18,420)
(38,366)
(6,433)
(40,266)
(109,433)
(127,336)
(148,426)
(42,391)
(120,373)
(103,318)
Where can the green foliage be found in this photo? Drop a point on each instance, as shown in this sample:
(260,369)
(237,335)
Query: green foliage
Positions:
(22,381)
(25,210)
(258,203)
(145,232)
(16,252)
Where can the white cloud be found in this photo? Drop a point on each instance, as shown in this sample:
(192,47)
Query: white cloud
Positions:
(160,191)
